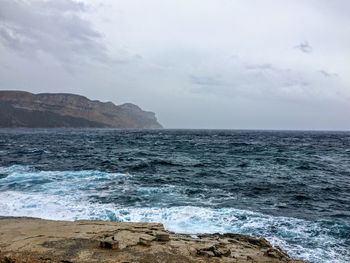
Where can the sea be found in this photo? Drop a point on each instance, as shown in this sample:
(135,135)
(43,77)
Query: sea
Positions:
(290,187)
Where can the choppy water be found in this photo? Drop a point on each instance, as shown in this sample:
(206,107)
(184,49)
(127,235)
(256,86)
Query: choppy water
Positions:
(291,187)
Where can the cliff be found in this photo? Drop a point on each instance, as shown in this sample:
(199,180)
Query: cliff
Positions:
(37,240)
(51,110)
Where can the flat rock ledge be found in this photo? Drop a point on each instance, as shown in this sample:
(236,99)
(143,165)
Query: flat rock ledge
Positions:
(37,240)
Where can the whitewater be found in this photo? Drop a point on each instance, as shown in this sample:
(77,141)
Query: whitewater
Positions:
(289,187)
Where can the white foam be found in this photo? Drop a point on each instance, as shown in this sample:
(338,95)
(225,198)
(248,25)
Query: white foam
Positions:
(48,206)
(15,169)
(65,196)
(185,219)
(56,182)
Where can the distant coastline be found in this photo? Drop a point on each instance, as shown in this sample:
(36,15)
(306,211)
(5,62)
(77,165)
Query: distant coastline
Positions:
(20,109)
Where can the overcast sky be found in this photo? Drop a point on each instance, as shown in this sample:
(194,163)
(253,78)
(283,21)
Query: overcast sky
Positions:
(243,64)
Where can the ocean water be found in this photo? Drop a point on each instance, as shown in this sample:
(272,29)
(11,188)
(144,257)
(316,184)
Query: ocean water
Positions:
(292,188)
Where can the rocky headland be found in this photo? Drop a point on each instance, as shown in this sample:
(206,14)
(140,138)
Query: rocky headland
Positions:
(37,240)
(61,110)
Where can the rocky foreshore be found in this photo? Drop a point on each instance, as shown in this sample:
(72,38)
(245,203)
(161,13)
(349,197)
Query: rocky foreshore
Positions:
(38,240)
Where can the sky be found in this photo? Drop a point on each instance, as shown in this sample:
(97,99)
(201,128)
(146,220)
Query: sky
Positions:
(217,64)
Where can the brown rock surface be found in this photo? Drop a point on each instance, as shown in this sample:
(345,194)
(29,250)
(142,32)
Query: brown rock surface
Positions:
(37,240)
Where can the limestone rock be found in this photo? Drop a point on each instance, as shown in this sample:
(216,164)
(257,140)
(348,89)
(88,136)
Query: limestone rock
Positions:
(145,241)
(26,240)
(162,236)
(109,243)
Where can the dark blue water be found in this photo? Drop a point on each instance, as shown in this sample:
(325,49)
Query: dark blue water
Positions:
(291,187)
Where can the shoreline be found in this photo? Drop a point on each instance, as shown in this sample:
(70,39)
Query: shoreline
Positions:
(24,239)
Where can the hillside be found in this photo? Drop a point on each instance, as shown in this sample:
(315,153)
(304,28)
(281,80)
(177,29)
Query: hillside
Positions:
(54,110)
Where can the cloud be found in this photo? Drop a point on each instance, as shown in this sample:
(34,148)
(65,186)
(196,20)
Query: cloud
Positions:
(265,66)
(327,74)
(53,28)
(242,78)
(181,51)
(207,80)
(304,47)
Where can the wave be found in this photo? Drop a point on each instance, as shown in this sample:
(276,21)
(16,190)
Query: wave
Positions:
(303,239)
(66,195)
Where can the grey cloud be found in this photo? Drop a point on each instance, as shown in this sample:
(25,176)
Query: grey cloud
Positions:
(62,5)
(50,27)
(181,54)
(259,67)
(296,83)
(327,74)
(240,78)
(138,56)
(207,80)
(304,47)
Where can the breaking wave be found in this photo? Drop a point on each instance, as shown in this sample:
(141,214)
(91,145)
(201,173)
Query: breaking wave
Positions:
(72,195)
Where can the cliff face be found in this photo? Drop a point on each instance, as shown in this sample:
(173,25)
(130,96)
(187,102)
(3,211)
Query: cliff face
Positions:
(47,110)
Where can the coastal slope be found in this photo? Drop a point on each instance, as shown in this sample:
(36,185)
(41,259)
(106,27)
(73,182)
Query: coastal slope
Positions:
(56,110)
(37,240)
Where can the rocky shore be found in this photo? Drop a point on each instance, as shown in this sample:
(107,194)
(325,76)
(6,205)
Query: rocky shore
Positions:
(37,240)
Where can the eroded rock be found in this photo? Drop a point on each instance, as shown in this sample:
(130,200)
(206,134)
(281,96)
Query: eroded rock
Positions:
(35,240)
(146,241)
(109,243)
(162,236)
